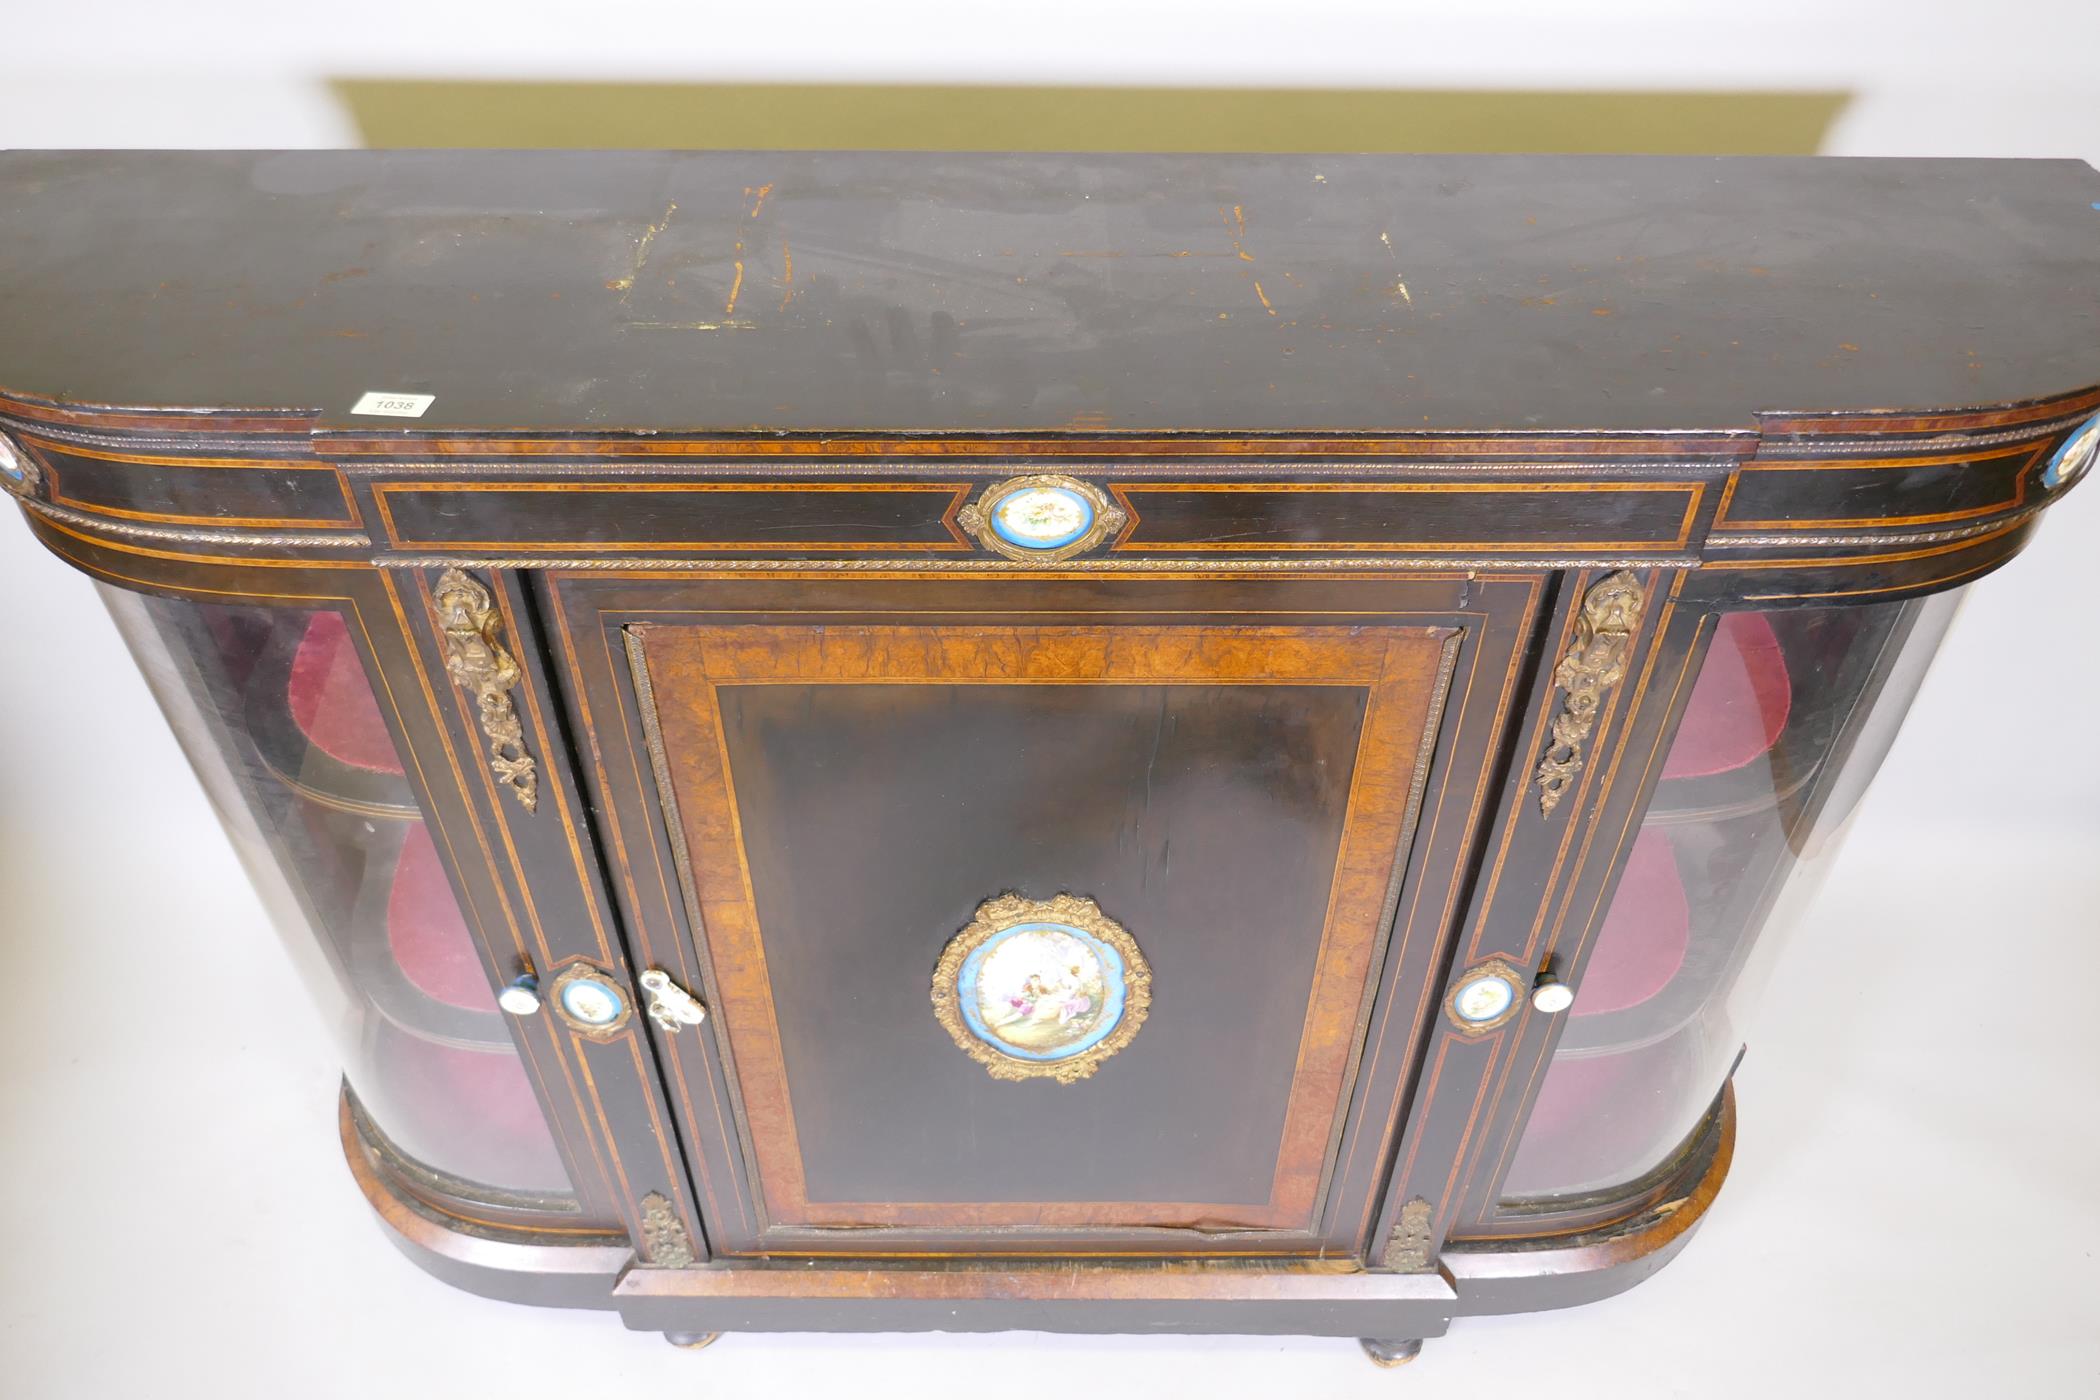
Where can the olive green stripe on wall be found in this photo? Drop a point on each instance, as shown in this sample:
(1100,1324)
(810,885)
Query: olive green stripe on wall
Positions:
(705,116)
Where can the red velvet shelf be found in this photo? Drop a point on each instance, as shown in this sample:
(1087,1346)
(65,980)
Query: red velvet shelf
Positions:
(1642,945)
(332,701)
(424,929)
(1739,704)
(1602,1119)
(309,708)
(468,1112)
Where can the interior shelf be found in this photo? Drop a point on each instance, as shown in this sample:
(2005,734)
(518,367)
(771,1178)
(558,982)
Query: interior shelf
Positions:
(413,956)
(1773,720)
(473,1111)
(315,787)
(1677,931)
(1595,1114)
(317,728)
(1741,746)
(1637,975)
(318,732)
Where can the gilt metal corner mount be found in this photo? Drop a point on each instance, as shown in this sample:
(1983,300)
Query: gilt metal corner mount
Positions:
(1411,1248)
(665,1241)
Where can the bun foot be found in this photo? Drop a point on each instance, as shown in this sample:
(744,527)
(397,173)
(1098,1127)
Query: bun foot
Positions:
(1385,1352)
(693,1341)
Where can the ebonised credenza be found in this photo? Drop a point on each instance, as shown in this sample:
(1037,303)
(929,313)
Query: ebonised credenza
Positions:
(1065,742)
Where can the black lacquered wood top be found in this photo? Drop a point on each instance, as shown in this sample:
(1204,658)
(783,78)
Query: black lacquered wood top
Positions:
(981,293)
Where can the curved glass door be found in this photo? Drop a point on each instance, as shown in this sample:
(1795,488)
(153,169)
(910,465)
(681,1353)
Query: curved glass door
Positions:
(277,714)
(1790,715)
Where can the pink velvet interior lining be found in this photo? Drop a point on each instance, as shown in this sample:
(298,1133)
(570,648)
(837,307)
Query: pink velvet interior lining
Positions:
(469,1111)
(332,701)
(1597,1116)
(1739,703)
(1645,935)
(424,928)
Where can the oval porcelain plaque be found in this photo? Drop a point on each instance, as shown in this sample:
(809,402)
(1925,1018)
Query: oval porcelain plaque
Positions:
(1042,991)
(1483,999)
(1047,988)
(2077,454)
(1042,517)
(591,1002)
(1486,996)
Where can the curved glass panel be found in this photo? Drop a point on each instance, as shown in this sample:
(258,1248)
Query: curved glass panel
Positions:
(277,716)
(1790,715)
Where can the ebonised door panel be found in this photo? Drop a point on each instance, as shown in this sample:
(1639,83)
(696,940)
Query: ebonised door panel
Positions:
(1178,844)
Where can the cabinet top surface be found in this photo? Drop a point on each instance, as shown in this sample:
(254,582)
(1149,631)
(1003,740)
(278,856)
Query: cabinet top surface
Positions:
(861,292)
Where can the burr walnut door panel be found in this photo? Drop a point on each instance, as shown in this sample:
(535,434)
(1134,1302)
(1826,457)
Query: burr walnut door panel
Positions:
(1025,930)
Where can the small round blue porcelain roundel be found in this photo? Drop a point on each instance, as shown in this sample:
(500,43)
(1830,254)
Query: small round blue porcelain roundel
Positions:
(1042,991)
(590,1001)
(12,467)
(2077,454)
(1042,516)
(1481,999)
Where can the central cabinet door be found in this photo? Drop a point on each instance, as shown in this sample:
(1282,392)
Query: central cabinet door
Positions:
(1038,916)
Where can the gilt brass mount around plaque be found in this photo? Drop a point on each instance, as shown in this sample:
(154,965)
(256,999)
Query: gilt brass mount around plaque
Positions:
(478,663)
(1042,519)
(1593,665)
(590,1002)
(1486,996)
(1042,988)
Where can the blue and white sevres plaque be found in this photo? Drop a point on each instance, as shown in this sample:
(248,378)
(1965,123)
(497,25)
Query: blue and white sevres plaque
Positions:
(14,467)
(589,1002)
(2074,457)
(1041,989)
(1042,518)
(1485,996)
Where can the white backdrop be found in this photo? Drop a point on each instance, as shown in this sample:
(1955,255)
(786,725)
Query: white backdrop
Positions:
(1911,1205)
(1931,77)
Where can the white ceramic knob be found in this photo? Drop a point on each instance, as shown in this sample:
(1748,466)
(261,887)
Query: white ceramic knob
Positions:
(1551,995)
(522,996)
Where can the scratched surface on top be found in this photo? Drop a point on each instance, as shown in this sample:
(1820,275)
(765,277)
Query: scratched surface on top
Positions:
(816,291)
